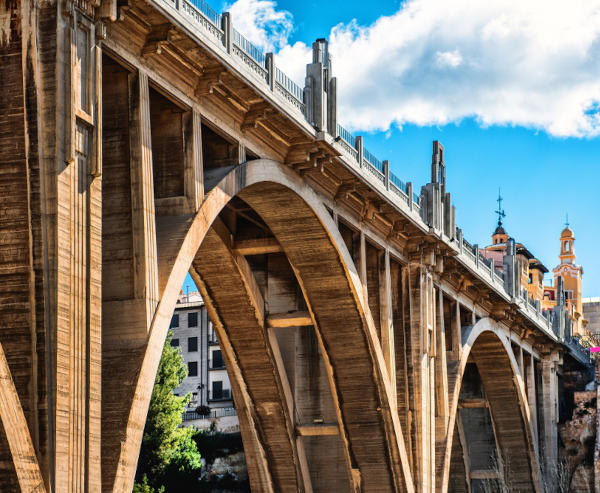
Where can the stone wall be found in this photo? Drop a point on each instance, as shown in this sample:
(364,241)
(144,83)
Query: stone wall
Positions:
(579,466)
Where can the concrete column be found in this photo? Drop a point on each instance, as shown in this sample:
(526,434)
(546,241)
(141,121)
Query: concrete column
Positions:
(456,332)
(227,31)
(359,150)
(362,258)
(387,319)
(386,173)
(270,63)
(422,376)
(549,408)
(193,169)
(531,397)
(142,199)
(442,404)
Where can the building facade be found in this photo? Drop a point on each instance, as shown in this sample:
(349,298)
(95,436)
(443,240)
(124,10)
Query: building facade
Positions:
(207,380)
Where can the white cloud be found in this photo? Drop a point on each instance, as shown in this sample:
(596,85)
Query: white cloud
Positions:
(533,63)
(261,23)
(448,58)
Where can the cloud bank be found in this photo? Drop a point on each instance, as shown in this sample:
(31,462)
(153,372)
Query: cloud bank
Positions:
(503,62)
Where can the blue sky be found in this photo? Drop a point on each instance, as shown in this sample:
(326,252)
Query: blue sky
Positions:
(515,108)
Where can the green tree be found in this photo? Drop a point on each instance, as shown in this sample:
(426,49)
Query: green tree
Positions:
(169,458)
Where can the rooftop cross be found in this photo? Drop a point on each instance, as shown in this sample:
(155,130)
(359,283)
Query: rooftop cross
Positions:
(500,210)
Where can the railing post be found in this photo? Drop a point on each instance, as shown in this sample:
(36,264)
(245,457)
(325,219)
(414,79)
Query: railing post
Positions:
(476,248)
(460,240)
(409,192)
(359,150)
(270,63)
(227,31)
(386,173)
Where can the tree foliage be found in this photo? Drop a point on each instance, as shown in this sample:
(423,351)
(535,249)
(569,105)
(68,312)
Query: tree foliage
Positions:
(169,458)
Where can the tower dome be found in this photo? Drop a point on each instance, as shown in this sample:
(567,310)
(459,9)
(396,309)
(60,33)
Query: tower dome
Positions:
(567,233)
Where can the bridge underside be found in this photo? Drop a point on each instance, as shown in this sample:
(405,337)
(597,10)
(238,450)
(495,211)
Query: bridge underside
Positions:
(365,355)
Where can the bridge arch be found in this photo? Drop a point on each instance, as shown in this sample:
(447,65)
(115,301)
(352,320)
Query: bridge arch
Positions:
(331,286)
(488,346)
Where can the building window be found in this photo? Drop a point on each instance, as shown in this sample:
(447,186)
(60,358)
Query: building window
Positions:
(567,247)
(192,344)
(175,342)
(174,321)
(193,319)
(192,369)
(217,360)
(217,390)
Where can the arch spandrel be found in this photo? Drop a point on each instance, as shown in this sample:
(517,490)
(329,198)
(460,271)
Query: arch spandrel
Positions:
(331,285)
(489,347)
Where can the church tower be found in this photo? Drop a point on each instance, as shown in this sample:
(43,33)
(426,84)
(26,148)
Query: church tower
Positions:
(571,274)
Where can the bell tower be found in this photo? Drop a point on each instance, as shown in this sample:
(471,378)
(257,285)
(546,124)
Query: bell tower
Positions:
(571,275)
(567,247)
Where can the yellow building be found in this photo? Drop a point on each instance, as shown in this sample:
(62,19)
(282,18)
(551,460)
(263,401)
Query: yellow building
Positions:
(571,275)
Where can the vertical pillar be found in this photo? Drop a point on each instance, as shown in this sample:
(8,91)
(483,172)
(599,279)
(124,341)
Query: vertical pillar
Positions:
(387,319)
(193,179)
(531,396)
(359,150)
(78,338)
(422,343)
(441,372)
(456,332)
(520,361)
(549,408)
(241,153)
(145,264)
(227,30)
(362,257)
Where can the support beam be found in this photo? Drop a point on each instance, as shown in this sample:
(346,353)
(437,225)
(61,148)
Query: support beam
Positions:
(484,474)
(257,246)
(472,403)
(291,319)
(318,430)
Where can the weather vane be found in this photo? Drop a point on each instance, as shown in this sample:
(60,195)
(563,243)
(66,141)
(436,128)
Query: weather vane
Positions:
(500,210)
(567,221)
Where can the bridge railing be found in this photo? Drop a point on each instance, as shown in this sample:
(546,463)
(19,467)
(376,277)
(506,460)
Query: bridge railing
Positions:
(289,89)
(201,14)
(250,54)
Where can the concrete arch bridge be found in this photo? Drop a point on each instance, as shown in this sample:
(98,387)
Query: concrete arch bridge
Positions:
(370,347)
